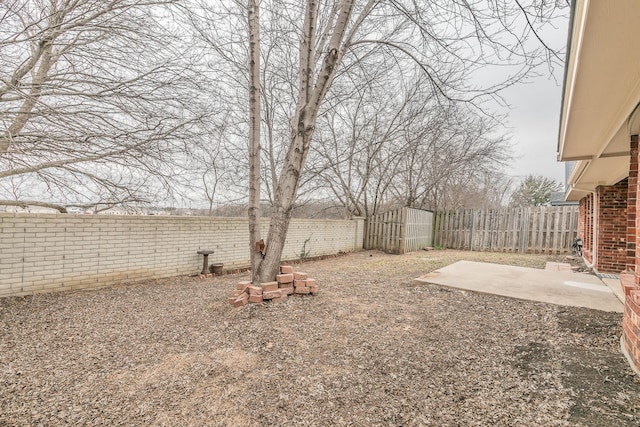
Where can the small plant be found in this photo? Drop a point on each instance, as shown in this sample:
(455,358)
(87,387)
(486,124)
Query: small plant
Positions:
(304,253)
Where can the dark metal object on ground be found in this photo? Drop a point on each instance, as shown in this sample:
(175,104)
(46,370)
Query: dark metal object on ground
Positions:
(216,268)
(577,246)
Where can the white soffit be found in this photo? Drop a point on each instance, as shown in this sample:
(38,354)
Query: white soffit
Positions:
(587,175)
(606,171)
(575,194)
(602,86)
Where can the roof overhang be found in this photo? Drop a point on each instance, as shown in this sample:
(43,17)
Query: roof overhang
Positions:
(601,93)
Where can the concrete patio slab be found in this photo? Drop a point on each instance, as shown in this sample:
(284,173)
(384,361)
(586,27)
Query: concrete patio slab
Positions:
(554,287)
(558,266)
(616,288)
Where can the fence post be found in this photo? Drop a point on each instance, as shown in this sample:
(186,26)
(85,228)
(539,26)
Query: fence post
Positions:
(367,232)
(434,228)
(360,223)
(473,228)
(403,231)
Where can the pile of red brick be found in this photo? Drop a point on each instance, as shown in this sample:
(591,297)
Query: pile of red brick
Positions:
(288,282)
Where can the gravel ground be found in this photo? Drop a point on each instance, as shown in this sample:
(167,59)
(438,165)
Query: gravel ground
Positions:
(372,349)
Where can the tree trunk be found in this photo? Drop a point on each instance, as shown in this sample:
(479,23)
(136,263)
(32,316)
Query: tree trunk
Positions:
(285,196)
(254,138)
(311,95)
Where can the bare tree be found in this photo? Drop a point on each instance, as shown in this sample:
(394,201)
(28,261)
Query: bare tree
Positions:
(253,12)
(484,190)
(447,40)
(99,101)
(213,171)
(328,49)
(456,154)
(361,141)
(394,146)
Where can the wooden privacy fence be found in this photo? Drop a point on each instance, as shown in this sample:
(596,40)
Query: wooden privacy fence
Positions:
(549,230)
(399,231)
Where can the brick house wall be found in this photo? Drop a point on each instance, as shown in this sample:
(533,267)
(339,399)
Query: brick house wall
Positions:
(617,228)
(632,200)
(630,281)
(631,318)
(612,227)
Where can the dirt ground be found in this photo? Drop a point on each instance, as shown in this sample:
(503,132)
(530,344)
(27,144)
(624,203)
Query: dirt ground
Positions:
(372,349)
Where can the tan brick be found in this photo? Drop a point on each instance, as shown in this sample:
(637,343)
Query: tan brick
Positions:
(314,290)
(255,299)
(298,275)
(239,301)
(254,290)
(286,269)
(237,293)
(272,294)
(282,298)
(243,285)
(269,286)
(302,283)
(287,291)
(311,282)
(284,278)
(302,290)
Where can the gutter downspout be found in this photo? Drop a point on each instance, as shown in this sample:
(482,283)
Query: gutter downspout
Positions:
(594,231)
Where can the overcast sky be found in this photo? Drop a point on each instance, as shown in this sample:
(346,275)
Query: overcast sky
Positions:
(534,119)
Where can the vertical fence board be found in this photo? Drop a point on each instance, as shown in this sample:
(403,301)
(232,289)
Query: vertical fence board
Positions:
(404,230)
(484,230)
(533,220)
(548,230)
(540,235)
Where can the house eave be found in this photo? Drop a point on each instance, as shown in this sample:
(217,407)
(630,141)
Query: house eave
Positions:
(601,92)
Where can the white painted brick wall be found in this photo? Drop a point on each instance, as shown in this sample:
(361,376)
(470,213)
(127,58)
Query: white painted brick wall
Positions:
(49,252)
